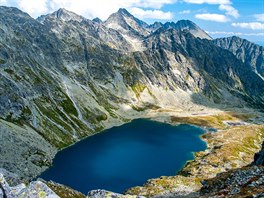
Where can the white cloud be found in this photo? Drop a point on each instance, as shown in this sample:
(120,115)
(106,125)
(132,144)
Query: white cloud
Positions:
(259,17)
(231,11)
(252,25)
(212,17)
(103,8)
(254,34)
(151,14)
(235,33)
(185,12)
(33,7)
(225,5)
(155,4)
(225,33)
(87,8)
(208,1)
(3,2)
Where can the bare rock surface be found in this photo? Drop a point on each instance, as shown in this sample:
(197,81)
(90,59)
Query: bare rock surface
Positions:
(35,189)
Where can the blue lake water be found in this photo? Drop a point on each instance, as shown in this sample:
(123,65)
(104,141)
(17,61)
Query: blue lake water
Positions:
(125,156)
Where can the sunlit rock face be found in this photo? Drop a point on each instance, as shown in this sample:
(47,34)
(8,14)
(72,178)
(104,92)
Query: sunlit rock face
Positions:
(34,189)
(64,77)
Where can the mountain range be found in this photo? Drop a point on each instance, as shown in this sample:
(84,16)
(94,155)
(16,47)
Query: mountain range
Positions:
(64,77)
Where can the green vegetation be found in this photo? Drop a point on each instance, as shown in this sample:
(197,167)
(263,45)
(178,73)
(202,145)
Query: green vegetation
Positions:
(23,119)
(111,112)
(68,106)
(215,121)
(94,117)
(13,74)
(138,88)
(147,106)
(36,79)
(9,71)
(64,191)
(50,112)
(2,61)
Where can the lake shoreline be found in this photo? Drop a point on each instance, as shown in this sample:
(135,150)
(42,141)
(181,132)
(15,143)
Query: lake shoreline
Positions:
(164,116)
(138,140)
(223,153)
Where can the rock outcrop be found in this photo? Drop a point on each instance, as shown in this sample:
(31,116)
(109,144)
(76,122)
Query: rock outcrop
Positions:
(36,189)
(243,182)
(104,193)
(259,157)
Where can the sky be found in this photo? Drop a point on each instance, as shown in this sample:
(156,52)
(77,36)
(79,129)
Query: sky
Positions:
(220,18)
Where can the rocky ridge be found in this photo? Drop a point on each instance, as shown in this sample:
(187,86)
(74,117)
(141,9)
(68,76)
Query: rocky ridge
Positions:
(251,54)
(188,25)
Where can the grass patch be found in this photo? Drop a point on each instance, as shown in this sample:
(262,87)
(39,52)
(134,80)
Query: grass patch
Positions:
(13,74)
(2,61)
(64,191)
(138,88)
(68,106)
(215,121)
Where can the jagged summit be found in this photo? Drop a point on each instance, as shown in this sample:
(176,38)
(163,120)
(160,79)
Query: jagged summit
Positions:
(250,53)
(62,14)
(155,26)
(124,12)
(237,39)
(126,22)
(132,29)
(97,20)
(188,25)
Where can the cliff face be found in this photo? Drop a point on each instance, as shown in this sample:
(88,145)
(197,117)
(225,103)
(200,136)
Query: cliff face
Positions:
(251,54)
(64,77)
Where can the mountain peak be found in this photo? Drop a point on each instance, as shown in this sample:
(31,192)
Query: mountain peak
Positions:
(5,10)
(125,22)
(194,29)
(187,23)
(124,12)
(97,20)
(61,14)
(66,15)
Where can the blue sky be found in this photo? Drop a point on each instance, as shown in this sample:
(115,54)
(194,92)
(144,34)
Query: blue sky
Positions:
(220,18)
(249,11)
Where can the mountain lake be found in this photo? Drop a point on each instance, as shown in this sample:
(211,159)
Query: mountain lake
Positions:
(126,156)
